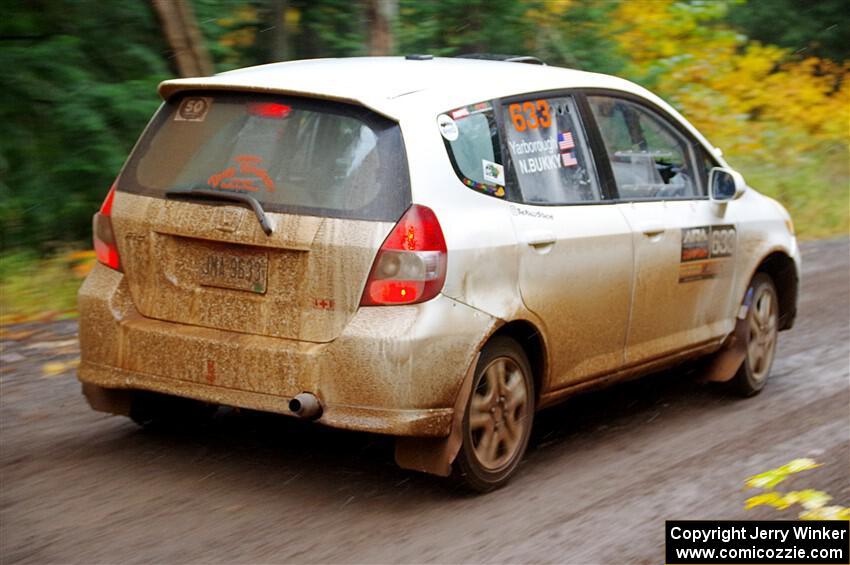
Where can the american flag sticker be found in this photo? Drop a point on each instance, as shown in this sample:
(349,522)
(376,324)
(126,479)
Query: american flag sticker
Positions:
(569,159)
(565,141)
(461,113)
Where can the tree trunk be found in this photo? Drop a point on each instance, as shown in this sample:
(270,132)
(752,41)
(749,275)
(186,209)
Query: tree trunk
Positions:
(278,48)
(183,36)
(382,15)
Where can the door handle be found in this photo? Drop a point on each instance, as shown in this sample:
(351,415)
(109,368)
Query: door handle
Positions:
(540,239)
(652,229)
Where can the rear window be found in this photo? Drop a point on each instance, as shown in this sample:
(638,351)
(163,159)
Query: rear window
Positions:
(294,155)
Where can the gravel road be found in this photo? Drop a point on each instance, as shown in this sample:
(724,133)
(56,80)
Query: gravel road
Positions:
(602,474)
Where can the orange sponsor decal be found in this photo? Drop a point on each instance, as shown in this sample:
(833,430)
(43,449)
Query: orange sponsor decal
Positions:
(248,165)
(531,114)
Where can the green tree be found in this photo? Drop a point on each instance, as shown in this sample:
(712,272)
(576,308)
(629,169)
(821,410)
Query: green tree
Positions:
(819,29)
(80,86)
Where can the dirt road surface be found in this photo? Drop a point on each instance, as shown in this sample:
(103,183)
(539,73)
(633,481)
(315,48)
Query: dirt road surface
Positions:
(602,474)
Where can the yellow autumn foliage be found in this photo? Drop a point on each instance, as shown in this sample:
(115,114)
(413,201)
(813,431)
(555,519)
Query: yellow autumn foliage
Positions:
(784,121)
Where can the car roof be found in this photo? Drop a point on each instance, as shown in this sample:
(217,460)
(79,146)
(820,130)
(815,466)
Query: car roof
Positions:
(398,86)
(379,82)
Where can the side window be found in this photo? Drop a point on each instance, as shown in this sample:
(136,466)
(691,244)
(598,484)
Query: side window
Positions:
(650,159)
(548,151)
(472,139)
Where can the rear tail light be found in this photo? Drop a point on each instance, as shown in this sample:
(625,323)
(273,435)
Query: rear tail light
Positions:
(104,238)
(411,265)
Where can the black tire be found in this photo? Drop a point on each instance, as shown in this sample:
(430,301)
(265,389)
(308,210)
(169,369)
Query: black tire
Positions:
(511,411)
(762,330)
(157,411)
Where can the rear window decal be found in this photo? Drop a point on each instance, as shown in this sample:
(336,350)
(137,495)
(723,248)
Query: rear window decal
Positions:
(569,159)
(565,141)
(248,165)
(486,188)
(531,114)
(193,109)
(466,111)
(536,164)
(493,172)
(706,252)
(448,127)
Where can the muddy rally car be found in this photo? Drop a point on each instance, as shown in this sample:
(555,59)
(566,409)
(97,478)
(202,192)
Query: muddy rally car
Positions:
(428,248)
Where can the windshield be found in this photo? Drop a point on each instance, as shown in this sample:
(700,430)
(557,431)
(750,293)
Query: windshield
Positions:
(293,155)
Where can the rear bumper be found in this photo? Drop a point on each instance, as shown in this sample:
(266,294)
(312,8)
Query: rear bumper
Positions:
(113,381)
(393,370)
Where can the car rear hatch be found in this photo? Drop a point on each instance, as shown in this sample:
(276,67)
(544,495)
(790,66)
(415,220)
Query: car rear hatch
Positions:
(329,179)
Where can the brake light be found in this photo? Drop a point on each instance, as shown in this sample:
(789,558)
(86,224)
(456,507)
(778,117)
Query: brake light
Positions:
(411,265)
(104,238)
(271,110)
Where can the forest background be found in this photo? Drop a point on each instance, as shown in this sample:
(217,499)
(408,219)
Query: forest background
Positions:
(768,81)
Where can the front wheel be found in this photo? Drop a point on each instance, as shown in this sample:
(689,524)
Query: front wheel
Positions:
(498,418)
(762,331)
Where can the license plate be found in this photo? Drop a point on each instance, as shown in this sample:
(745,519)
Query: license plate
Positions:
(238,272)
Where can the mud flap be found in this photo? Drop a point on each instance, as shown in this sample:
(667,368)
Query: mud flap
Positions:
(112,401)
(436,455)
(726,362)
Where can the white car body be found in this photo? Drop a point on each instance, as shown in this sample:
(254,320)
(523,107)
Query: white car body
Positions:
(596,291)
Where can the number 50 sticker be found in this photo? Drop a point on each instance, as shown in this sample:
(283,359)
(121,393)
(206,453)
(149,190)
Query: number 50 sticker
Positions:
(531,114)
(193,109)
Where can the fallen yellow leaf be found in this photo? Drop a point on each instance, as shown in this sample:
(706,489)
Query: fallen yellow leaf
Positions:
(56,368)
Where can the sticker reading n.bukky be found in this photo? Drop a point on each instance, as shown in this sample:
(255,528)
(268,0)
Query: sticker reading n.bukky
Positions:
(193,109)
(493,172)
(448,127)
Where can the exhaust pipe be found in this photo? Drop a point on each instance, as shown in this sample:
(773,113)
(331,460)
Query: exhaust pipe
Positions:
(306,405)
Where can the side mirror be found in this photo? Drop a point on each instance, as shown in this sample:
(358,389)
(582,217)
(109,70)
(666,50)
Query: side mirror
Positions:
(725,184)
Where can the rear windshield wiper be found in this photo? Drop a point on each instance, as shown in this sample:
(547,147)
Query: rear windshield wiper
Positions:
(208,194)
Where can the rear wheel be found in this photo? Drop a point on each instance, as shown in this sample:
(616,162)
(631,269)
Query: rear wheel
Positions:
(498,418)
(162,411)
(762,331)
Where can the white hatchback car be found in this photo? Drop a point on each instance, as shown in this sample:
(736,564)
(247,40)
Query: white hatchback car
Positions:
(424,247)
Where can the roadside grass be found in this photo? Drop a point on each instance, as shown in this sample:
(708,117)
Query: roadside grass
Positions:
(814,188)
(34,288)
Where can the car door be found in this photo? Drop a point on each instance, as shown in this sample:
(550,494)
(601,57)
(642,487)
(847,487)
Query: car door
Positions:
(575,270)
(683,242)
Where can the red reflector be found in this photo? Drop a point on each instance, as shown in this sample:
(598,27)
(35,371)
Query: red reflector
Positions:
(395,292)
(271,110)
